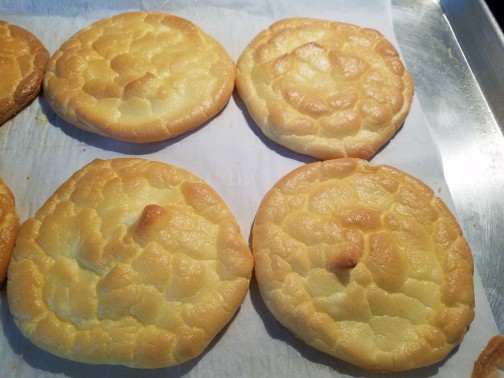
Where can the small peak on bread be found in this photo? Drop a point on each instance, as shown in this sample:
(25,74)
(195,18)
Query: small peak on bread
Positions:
(343,260)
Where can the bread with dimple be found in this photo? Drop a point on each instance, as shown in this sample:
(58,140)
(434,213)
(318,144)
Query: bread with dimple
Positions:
(323,88)
(23,59)
(130,262)
(9,225)
(365,263)
(139,77)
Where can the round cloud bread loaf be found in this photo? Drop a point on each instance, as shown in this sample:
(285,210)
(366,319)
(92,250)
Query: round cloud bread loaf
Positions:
(365,263)
(9,226)
(130,262)
(325,89)
(23,59)
(139,77)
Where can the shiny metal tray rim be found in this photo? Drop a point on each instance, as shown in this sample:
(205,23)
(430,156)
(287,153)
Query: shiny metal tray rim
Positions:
(483,49)
(455,52)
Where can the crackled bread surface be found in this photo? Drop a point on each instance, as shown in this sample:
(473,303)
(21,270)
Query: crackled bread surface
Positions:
(325,89)
(9,226)
(139,77)
(365,263)
(130,262)
(23,59)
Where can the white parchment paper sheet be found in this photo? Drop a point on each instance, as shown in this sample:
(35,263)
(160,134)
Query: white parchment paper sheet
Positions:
(39,151)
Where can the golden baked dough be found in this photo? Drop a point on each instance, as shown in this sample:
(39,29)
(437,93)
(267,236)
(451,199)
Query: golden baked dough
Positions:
(9,226)
(491,359)
(130,262)
(365,263)
(139,77)
(325,89)
(23,59)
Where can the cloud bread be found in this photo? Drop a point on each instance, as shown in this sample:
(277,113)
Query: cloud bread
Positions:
(23,59)
(9,226)
(365,263)
(491,359)
(139,77)
(325,89)
(129,262)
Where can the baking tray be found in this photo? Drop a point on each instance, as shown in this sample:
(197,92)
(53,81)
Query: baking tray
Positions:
(460,101)
(462,95)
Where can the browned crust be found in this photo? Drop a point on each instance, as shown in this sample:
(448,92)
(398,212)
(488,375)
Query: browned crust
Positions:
(26,81)
(9,226)
(490,359)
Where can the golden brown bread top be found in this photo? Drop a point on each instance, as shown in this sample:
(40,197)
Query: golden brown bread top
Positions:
(130,262)
(325,89)
(139,77)
(9,226)
(490,360)
(365,263)
(22,63)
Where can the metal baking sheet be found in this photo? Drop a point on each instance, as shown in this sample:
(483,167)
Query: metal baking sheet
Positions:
(452,115)
(455,51)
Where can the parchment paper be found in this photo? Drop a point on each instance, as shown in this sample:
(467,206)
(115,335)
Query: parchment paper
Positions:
(39,151)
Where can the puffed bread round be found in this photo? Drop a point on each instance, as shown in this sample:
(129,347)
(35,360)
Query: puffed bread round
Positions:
(9,226)
(365,263)
(129,262)
(139,77)
(323,88)
(23,59)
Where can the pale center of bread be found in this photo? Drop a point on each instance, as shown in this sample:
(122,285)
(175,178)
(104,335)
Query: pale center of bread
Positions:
(334,76)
